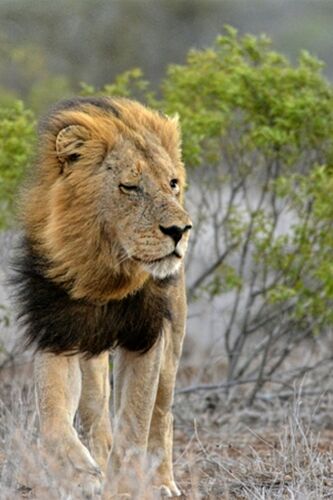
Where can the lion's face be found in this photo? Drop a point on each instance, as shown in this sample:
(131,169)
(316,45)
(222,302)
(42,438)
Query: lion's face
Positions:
(143,189)
(107,206)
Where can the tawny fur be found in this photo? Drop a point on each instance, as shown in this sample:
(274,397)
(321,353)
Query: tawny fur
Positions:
(98,213)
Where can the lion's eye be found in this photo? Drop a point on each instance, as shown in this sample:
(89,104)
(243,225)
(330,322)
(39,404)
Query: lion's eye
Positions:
(174,185)
(73,157)
(128,188)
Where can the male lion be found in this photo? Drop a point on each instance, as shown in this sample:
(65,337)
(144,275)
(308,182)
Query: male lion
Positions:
(101,267)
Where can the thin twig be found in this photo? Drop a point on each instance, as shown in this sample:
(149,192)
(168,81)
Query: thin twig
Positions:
(223,385)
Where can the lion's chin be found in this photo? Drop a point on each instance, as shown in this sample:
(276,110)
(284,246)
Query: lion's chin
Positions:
(163,268)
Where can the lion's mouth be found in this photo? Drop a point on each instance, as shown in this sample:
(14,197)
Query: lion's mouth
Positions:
(175,253)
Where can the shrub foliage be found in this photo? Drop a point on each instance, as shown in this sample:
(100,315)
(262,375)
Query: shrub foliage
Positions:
(17,140)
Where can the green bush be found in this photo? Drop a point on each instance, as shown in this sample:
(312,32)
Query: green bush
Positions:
(279,111)
(17,143)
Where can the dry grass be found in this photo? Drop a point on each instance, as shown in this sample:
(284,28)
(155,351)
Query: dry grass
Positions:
(279,448)
(275,450)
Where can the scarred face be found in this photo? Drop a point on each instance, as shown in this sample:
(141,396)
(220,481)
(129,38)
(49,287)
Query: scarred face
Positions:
(144,188)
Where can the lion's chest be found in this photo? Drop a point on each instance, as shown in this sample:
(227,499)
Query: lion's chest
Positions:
(59,324)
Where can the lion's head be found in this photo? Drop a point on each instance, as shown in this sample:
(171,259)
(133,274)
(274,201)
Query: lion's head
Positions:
(105,204)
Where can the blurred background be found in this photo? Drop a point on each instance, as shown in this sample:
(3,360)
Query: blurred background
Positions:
(48,48)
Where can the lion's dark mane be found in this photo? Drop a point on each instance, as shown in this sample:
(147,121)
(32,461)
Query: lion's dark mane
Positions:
(57,323)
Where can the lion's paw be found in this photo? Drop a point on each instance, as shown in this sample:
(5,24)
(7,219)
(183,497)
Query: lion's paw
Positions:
(89,487)
(87,474)
(170,490)
(73,466)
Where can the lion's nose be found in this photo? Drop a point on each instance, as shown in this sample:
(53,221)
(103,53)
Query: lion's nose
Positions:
(175,232)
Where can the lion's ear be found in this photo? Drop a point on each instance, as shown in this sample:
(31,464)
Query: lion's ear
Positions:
(69,142)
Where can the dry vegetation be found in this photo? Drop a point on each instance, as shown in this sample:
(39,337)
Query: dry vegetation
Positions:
(280,447)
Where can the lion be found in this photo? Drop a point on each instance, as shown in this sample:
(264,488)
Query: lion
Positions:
(102,268)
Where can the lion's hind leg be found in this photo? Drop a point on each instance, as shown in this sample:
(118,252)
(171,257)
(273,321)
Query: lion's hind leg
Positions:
(94,406)
(58,387)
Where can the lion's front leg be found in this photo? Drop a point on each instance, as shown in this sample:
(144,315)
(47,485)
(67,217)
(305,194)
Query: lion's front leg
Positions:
(94,406)
(135,386)
(161,432)
(58,387)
